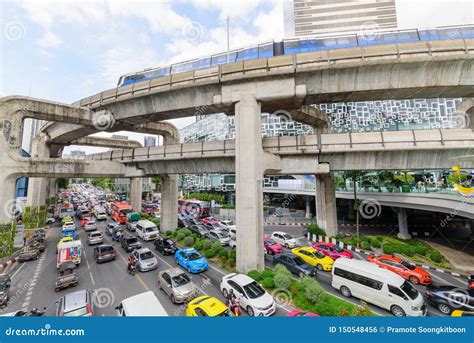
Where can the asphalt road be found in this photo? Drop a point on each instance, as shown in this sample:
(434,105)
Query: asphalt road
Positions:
(33,282)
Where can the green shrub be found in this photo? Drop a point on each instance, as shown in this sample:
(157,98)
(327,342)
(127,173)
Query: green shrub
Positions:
(224,253)
(316,230)
(206,244)
(281,269)
(209,253)
(389,248)
(180,236)
(435,256)
(198,246)
(255,274)
(376,243)
(306,281)
(268,282)
(156,221)
(362,310)
(420,250)
(314,292)
(174,233)
(232,257)
(365,245)
(282,280)
(169,233)
(185,231)
(267,273)
(407,250)
(217,247)
(188,241)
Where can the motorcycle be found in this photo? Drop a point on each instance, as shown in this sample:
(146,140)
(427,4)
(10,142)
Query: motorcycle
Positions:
(33,313)
(132,268)
(234,307)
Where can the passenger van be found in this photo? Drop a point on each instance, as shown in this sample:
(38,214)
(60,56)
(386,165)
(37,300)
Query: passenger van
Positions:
(377,286)
(144,304)
(147,230)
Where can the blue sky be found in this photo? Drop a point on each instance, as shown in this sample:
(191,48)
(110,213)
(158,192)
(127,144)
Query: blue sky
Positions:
(67,50)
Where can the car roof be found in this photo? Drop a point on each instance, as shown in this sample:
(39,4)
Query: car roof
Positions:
(143,304)
(213,306)
(288,254)
(310,249)
(188,250)
(279,232)
(173,271)
(142,250)
(369,268)
(389,257)
(242,279)
(94,233)
(75,300)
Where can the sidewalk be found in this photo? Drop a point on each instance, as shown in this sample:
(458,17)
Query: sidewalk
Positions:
(460,255)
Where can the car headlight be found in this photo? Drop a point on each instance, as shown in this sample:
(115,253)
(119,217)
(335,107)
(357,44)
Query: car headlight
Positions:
(415,308)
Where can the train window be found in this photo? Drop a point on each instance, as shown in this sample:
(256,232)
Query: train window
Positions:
(265,50)
(203,63)
(247,54)
(308,45)
(222,58)
(292,47)
(407,36)
(177,68)
(428,34)
(468,32)
(188,66)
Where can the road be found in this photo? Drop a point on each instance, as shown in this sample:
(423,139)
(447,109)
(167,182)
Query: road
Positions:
(33,282)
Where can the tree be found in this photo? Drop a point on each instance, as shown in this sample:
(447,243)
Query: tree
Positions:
(63,183)
(157,181)
(355,175)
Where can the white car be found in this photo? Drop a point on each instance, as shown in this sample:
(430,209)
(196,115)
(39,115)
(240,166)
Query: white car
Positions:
(232,242)
(95,237)
(284,239)
(253,298)
(100,214)
(227,225)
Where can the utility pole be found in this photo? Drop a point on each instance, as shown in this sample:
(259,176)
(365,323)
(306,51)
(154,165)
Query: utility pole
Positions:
(228,37)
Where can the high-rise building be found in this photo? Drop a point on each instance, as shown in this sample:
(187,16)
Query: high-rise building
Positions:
(149,141)
(314,17)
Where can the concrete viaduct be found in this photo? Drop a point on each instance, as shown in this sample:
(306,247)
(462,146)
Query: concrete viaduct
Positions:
(281,84)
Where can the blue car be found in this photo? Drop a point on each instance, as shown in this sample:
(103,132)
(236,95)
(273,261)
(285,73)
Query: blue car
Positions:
(191,260)
(69,232)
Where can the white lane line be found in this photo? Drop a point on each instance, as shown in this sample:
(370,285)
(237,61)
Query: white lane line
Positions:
(14,274)
(88,266)
(92,279)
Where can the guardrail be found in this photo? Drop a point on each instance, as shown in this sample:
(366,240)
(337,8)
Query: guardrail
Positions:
(285,64)
(311,144)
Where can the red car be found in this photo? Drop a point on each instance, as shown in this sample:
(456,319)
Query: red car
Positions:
(208,220)
(406,270)
(84,220)
(332,250)
(299,313)
(271,247)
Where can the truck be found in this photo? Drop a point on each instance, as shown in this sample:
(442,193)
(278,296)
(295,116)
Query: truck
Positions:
(69,252)
(65,210)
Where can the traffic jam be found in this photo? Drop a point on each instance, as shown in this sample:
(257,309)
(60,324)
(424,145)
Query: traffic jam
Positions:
(98,256)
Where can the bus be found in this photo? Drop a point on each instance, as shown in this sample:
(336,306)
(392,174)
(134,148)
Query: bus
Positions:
(194,208)
(120,210)
(65,210)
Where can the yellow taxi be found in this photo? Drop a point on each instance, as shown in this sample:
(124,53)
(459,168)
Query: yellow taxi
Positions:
(459,313)
(206,306)
(63,240)
(314,258)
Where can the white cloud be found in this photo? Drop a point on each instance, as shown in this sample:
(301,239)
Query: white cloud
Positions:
(236,9)
(49,40)
(44,68)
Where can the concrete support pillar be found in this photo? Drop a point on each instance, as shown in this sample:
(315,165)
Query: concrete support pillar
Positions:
(7,199)
(37,191)
(326,214)
(403,224)
(136,193)
(249,180)
(169,203)
(308,207)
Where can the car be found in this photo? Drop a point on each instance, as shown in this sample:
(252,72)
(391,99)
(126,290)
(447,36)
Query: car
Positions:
(109,229)
(300,313)
(75,304)
(253,298)
(90,225)
(314,258)
(284,239)
(199,229)
(191,260)
(295,264)
(146,230)
(233,242)
(165,246)
(459,313)
(219,236)
(208,220)
(447,298)
(332,250)
(227,225)
(214,226)
(146,260)
(206,306)
(130,243)
(271,247)
(104,252)
(5,283)
(406,270)
(177,285)
(95,237)
(100,214)
(69,224)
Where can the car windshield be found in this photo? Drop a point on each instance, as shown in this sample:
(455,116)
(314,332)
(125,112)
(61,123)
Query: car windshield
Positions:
(298,261)
(150,229)
(254,290)
(132,240)
(409,290)
(180,280)
(271,242)
(318,254)
(146,255)
(225,313)
(194,256)
(79,312)
(338,248)
(287,236)
(168,242)
(222,235)
(97,234)
(407,265)
(230,222)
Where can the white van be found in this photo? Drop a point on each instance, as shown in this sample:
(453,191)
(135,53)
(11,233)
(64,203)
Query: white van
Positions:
(144,304)
(381,287)
(147,230)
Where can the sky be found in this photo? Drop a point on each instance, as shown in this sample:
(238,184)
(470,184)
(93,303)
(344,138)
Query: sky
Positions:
(67,50)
